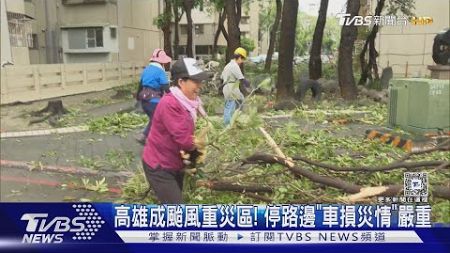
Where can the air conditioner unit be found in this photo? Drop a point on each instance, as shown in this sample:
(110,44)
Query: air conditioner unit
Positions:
(419,105)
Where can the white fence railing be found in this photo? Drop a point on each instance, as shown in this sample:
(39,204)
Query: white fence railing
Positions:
(43,81)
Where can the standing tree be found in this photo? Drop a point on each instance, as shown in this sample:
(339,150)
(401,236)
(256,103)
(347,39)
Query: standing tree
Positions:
(373,54)
(273,36)
(233,11)
(346,46)
(178,12)
(218,7)
(188,5)
(315,61)
(285,87)
(371,67)
(166,28)
(163,23)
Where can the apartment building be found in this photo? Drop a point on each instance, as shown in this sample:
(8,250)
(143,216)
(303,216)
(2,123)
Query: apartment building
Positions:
(80,31)
(205,26)
(86,31)
(16,35)
(109,30)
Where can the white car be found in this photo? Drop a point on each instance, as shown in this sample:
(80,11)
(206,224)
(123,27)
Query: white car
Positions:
(257,59)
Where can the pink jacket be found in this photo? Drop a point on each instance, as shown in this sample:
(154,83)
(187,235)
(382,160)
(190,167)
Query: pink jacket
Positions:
(172,130)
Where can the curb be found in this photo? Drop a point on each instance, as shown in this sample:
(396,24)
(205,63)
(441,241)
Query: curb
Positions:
(4,164)
(63,130)
(387,138)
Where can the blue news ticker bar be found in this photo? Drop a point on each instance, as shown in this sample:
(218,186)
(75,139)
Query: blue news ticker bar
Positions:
(93,227)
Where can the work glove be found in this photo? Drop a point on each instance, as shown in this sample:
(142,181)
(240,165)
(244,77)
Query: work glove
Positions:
(244,87)
(198,155)
(191,158)
(246,84)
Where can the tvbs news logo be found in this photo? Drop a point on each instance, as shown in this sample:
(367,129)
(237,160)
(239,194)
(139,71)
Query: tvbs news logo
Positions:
(346,19)
(42,228)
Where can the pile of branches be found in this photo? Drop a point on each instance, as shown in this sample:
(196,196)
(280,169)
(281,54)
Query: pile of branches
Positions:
(358,193)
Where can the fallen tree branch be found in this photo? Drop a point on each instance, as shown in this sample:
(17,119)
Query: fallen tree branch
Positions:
(330,181)
(348,187)
(228,186)
(365,193)
(258,197)
(444,146)
(443,166)
(392,166)
(274,145)
(392,191)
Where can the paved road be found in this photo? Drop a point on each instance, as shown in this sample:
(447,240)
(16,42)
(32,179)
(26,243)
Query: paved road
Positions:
(18,185)
(60,150)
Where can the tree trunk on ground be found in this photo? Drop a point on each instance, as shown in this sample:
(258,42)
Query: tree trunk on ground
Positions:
(315,61)
(232,9)
(345,61)
(285,82)
(441,191)
(230,186)
(222,17)
(366,68)
(166,28)
(188,5)
(273,37)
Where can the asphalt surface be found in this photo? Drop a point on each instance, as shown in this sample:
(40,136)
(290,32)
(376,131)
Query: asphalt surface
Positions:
(62,150)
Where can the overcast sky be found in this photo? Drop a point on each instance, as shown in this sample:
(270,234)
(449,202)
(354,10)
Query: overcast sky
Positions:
(311,7)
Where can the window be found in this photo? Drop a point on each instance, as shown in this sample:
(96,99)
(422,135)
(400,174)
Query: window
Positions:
(245,20)
(202,49)
(95,37)
(32,41)
(183,29)
(82,38)
(77,38)
(19,27)
(113,32)
(199,29)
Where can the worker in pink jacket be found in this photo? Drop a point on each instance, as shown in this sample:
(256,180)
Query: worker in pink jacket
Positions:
(172,131)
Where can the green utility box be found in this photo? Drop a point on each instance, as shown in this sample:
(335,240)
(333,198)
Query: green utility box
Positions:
(419,105)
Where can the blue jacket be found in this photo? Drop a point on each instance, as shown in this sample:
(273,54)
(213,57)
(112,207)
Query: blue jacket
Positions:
(154,77)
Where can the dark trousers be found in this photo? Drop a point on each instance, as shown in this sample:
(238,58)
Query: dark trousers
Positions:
(149,109)
(166,184)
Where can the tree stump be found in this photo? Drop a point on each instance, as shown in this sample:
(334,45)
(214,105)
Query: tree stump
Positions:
(289,104)
(55,110)
(120,94)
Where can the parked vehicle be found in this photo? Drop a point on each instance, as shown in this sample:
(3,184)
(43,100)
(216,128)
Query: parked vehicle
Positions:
(258,59)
